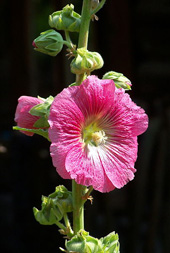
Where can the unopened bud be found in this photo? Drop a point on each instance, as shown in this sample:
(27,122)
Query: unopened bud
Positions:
(83,242)
(86,61)
(49,42)
(54,206)
(66,19)
(119,79)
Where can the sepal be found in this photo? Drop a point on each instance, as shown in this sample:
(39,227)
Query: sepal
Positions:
(110,243)
(54,207)
(66,19)
(42,110)
(86,62)
(83,242)
(49,42)
(119,79)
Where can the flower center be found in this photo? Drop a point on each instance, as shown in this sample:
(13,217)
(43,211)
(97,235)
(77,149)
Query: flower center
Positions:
(93,135)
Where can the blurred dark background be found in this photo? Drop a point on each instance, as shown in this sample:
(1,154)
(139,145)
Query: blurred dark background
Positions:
(133,38)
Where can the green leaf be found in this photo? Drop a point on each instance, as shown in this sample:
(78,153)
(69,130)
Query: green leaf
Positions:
(41,132)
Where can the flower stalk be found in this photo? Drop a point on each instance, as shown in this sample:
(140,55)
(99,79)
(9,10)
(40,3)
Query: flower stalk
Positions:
(77,190)
(78,207)
(84,32)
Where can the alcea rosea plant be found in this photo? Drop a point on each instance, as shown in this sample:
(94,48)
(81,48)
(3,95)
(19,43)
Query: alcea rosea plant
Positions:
(92,126)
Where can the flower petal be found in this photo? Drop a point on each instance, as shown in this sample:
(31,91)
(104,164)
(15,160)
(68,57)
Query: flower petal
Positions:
(87,168)
(22,116)
(65,121)
(134,115)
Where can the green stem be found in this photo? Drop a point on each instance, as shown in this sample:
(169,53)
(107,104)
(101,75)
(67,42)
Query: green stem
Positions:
(84,32)
(68,226)
(68,40)
(85,23)
(60,225)
(78,207)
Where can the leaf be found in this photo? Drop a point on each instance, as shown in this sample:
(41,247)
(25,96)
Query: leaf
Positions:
(41,132)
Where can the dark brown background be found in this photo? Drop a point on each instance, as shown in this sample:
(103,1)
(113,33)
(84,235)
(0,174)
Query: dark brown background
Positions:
(133,38)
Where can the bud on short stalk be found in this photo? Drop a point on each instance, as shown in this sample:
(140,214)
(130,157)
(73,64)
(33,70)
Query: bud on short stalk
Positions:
(119,79)
(49,42)
(82,242)
(54,207)
(86,61)
(66,19)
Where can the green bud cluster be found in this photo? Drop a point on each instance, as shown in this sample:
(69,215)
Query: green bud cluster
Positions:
(83,242)
(119,79)
(66,19)
(54,206)
(86,61)
(49,42)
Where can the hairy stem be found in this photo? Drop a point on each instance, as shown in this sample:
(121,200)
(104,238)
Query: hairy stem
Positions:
(78,207)
(84,32)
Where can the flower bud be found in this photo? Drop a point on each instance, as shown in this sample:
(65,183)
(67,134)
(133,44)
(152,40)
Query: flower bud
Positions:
(22,116)
(83,242)
(31,115)
(119,79)
(66,19)
(110,243)
(49,42)
(54,206)
(86,61)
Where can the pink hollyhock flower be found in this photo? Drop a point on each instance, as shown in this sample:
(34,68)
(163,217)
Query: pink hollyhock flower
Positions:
(93,130)
(22,116)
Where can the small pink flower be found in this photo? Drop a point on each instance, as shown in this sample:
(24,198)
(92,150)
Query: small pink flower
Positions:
(94,129)
(22,116)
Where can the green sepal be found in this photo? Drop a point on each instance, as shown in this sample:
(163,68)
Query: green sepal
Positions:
(48,215)
(111,243)
(54,207)
(73,84)
(86,62)
(119,79)
(41,132)
(42,122)
(42,110)
(49,42)
(66,19)
(82,242)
